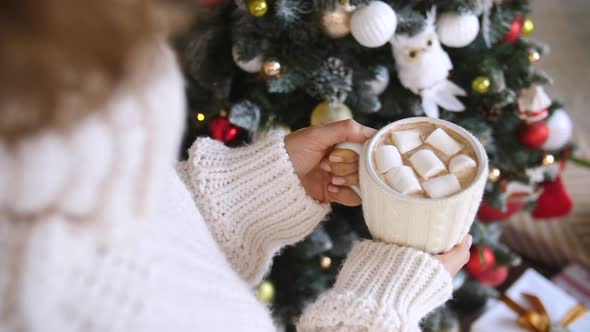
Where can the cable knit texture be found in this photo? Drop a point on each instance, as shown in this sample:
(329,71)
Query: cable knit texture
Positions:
(252,200)
(381,287)
(99,233)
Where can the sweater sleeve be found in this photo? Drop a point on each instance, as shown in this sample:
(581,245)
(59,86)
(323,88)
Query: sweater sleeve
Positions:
(251,199)
(381,287)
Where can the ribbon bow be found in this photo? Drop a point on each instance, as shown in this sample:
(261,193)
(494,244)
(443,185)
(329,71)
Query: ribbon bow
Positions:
(537,319)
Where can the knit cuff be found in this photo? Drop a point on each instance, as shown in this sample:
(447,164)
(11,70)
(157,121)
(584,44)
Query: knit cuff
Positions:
(252,200)
(381,287)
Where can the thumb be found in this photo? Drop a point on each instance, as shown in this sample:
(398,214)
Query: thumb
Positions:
(343,131)
(454,260)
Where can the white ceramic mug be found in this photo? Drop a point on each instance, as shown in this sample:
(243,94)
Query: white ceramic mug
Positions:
(434,225)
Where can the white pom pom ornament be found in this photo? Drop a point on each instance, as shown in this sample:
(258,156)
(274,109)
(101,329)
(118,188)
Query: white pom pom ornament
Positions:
(253,65)
(457,30)
(560,130)
(373,25)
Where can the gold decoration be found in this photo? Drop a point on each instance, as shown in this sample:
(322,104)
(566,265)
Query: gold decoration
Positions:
(257,7)
(528,26)
(494,174)
(534,56)
(265,291)
(271,68)
(336,23)
(537,319)
(481,84)
(326,112)
(325,262)
(548,159)
(200,117)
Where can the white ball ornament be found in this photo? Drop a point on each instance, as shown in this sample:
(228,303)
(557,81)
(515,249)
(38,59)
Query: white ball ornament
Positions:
(373,25)
(560,130)
(457,30)
(381,80)
(253,65)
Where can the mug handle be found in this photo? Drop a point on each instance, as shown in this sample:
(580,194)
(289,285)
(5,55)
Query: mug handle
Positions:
(358,148)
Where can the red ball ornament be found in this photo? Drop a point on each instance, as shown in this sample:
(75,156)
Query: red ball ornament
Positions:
(515,30)
(494,276)
(222,130)
(488,213)
(533,134)
(480,261)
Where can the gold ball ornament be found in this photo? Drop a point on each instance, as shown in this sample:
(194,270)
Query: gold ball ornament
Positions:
(271,68)
(528,26)
(325,262)
(265,291)
(481,84)
(494,174)
(534,56)
(548,159)
(326,112)
(257,7)
(336,23)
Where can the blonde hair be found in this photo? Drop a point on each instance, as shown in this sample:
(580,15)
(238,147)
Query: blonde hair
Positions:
(55,48)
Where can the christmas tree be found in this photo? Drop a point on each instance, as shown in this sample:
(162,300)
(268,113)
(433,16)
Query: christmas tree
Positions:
(258,65)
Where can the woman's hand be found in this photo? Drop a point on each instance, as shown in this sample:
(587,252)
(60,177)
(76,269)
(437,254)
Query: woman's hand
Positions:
(454,260)
(327,174)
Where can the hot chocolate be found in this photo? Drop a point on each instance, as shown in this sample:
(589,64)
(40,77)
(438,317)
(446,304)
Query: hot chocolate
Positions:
(423,160)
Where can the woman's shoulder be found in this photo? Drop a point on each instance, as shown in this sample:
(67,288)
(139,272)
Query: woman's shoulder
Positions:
(121,143)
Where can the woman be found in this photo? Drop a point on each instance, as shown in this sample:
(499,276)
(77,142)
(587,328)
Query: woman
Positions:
(100,232)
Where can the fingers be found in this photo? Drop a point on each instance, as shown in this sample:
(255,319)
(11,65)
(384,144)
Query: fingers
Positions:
(343,156)
(457,257)
(348,165)
(342,169)
(343,195)
(347,180)
(342,131)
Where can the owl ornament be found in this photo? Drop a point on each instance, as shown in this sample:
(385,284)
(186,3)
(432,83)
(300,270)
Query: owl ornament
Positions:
(423,67)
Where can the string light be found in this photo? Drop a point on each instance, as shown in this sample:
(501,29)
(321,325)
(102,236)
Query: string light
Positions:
(494,174)
(325,262)
(200,117)
(548,159)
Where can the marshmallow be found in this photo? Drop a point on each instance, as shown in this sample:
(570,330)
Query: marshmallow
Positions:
(406,140)
(440,140)
(403,180)
(426,163)
(460,164)
(442,186)
(387,157)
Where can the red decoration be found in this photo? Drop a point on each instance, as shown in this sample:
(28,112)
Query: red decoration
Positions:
(554,201)
(494,276)
(488,213)
(480,261)
(515,30)
(533,134)
(222,130)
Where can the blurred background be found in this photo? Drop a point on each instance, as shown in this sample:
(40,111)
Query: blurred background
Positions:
(565,26)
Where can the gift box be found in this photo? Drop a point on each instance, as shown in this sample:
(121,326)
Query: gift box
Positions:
(501,317)
(575,280)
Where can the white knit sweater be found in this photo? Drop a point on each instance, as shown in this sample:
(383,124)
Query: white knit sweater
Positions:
(99,233)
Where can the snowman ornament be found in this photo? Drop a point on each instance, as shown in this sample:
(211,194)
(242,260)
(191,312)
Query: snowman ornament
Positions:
(423,67)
